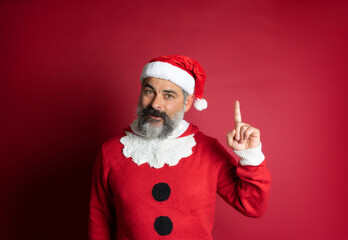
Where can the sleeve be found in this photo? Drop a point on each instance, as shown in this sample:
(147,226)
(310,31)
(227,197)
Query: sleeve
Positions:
(245,187)
(102,215)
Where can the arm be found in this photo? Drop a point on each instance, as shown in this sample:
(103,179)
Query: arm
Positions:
(102,216)
(245,187)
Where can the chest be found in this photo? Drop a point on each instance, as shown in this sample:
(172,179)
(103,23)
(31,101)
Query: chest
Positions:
(189,184)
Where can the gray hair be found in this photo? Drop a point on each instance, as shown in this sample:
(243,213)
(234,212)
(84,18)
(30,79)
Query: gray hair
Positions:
(185,94)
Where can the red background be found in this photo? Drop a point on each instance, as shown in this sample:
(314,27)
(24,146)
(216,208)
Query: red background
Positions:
(70,81)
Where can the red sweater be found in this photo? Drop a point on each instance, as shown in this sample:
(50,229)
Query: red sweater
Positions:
(139,202)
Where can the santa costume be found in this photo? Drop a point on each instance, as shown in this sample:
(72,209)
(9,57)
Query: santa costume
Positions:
(165,188)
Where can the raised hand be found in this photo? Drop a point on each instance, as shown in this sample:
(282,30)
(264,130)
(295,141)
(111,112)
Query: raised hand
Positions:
(243,136)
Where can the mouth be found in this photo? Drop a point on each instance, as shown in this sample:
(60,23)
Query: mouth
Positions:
(155,117)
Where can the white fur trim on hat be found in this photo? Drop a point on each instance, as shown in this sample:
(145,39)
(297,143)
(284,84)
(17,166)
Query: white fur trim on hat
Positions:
(200,104)
(169,72)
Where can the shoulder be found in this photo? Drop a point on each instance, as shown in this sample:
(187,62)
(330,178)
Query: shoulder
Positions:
(113,145)
(199,136)
(110,153)
(210,146)
(204,139)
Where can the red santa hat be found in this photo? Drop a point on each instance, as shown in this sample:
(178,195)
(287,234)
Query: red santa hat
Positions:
(185,72)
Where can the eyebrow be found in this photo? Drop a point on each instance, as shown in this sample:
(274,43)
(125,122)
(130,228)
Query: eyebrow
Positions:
(170,91)
(148,85)
(165,91)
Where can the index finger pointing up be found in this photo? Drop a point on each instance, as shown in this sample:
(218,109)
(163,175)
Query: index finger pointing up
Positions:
(237,114)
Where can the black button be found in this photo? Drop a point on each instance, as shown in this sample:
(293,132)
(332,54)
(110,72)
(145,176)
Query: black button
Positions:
(161,192)
(163,225)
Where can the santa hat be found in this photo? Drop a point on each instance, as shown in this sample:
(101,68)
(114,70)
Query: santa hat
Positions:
(181,70)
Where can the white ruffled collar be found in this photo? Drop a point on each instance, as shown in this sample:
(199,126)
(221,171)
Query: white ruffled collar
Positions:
(158,151)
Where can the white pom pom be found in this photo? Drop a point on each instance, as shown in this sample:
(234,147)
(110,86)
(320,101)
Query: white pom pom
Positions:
(200,104)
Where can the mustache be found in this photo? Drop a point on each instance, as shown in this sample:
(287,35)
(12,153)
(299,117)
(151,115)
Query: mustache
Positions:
(151,111)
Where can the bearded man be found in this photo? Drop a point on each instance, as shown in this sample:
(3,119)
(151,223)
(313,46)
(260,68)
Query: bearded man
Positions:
(159,179)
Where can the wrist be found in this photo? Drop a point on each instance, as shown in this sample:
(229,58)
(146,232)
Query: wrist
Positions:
(251,156)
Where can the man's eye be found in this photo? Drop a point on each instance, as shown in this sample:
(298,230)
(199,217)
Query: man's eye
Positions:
(148,91)
(168,96)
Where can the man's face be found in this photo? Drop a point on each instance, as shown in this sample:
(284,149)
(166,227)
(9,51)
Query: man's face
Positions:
(161,106)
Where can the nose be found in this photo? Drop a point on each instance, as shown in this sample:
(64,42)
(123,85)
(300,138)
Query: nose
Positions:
(157,102)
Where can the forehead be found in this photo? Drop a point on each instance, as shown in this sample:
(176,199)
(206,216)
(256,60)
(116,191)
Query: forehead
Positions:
(161,84)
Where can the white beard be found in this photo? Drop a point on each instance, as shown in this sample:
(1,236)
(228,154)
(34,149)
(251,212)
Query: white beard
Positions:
(152,131)
(179,130)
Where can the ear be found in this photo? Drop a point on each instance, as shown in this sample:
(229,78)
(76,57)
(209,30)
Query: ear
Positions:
(189,102)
